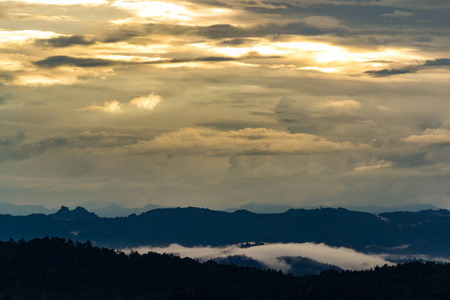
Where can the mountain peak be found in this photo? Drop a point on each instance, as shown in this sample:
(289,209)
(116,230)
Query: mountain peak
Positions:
(63,209)
(80,209)
(79,213)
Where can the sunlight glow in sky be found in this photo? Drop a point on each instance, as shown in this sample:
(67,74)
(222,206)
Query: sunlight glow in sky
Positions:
(64,2)
(167,12)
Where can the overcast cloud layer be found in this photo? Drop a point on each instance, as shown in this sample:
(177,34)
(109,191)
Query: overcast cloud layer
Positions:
(220,103)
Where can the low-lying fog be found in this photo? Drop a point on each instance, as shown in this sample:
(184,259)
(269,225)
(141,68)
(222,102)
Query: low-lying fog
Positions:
(269,254)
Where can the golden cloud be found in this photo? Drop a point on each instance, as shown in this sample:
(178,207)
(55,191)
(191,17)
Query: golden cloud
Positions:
(430,136)
(147,102)
(248,141)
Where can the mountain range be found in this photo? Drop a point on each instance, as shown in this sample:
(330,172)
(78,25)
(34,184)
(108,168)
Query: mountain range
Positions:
(426,232)
(280,208)
(115,210)
(108,211)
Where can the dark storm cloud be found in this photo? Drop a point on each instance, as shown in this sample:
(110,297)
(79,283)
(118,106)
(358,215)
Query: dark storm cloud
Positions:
(391,72)
(226,31)
(368,14)
(221,31)
(124,34)
(235,35)
(62,60)
(65,41)
(436,63)
(235,42)
(368,24)
(57,61)
(364,23)
(198,59)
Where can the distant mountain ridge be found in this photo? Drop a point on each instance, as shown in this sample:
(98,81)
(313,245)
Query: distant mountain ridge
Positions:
(23,210)
(120,211)
(109,211)
(115,210)
(281,208)
(425,232)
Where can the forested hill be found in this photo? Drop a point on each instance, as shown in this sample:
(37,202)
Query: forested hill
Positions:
(61,269)
(425,232)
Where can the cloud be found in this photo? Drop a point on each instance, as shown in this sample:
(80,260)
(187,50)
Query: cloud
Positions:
(65,41)
(147,102)
(440,62)
(64,2)
(430,136)
(63,60)
(113,107)
(333,118)
(344,104)
(321,21)
(435,63)
(234,32)
(373,166)
(15,147)
(175,12)
(248,141)
(221,31)
(197,59)
(105,52)
(398,13)
(235,42)
(233,124)
(270,254)
(20,36)
(391,72)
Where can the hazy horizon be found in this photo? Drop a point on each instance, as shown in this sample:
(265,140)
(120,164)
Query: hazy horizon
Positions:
(221,103)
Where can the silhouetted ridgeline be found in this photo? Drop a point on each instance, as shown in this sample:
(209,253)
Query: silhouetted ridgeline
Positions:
(425,232)
(61,269)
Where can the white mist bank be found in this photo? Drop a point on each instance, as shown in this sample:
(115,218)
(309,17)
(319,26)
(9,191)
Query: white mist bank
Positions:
(345,258)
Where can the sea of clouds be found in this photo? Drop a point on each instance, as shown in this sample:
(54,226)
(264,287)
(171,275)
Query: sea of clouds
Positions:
(271,254)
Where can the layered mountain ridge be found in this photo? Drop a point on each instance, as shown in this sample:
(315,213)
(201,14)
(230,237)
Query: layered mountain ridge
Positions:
(426,232)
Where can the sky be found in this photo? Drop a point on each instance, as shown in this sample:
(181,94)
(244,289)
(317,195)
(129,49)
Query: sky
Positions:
(223,102)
